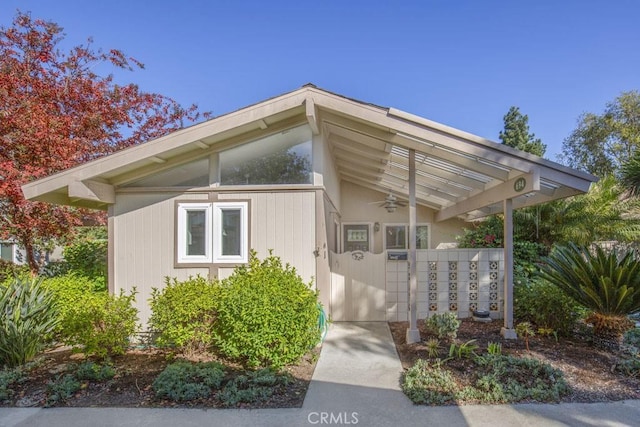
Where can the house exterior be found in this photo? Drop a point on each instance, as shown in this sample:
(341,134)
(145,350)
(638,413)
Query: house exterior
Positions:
(366,201)
(9,251)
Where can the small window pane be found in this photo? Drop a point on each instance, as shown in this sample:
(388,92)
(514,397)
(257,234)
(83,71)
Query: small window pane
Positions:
(396,237)
(231,231)
(6,251)
(422,237)
(356,237)
(196,239)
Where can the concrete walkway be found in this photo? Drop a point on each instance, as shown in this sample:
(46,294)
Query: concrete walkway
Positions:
(356,382)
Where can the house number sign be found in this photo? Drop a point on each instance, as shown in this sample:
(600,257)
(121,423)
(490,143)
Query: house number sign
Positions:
(519,184)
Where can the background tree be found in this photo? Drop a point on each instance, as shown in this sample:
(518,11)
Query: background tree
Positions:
(516,133)
(55,112)
(601,144)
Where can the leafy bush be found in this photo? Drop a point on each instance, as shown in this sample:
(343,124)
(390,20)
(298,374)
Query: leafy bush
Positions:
(443,325)
(252,387)
(101,324)
(429,384)
(9,270)
(9,377)
(28,319)
(629,367)
(183,313)
(91,371)
(497,379)
(69,291)
(88,258)
(546,306)
(182,380)
(266,314)
(61,389)
(606,282)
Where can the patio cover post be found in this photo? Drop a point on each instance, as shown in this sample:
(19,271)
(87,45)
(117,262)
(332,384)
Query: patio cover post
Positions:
(507,330)
(413,334)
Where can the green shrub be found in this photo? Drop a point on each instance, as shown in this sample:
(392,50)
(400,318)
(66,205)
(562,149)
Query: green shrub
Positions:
(629,367)
(546,306)
(443,325)
(267,316)
(28,319)
(183,314)
(101,324)
(91,371)
(9,377)
(69,291)
(61,389)
(88,258)
(253,387)
(9,270)
(183,381)
(429,384)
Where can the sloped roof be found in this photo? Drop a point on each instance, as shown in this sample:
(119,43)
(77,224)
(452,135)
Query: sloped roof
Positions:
(457,173)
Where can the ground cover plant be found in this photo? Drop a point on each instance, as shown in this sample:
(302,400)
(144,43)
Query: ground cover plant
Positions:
(567,369)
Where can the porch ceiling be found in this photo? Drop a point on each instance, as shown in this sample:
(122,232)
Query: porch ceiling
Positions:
(448,179)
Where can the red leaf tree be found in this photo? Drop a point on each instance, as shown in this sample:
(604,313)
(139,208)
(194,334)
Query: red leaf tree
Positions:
(55,113)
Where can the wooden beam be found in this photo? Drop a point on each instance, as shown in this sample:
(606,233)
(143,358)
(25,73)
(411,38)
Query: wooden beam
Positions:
(201,145)
(310,107)
(262,124)
(93,191)
(156,159)
(523,184)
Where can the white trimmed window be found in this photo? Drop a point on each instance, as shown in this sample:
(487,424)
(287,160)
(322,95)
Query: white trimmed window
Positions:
(213,232)
(230,223)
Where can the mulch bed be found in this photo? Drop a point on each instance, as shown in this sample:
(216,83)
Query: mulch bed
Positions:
(132,385)
(589,371)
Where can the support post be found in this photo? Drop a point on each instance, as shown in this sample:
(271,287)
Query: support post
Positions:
(508,332)
(413,334)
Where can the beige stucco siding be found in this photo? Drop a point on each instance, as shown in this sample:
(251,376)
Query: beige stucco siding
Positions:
(284,222)
(143,233)
(357,207)
(144,236)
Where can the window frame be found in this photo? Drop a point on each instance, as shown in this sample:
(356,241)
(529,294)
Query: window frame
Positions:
(183,209)
(213,234)
(406,239)
(218,208)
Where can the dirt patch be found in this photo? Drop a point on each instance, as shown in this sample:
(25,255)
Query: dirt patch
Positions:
(589,371)
(132,384)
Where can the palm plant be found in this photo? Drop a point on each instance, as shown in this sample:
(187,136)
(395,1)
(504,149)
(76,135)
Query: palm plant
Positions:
(608,283)
(630,174)
(604,213)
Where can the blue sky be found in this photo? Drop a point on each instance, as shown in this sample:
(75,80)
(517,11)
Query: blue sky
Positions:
(461,63)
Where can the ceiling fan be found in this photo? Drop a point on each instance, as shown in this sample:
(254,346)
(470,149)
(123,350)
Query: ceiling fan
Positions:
(390,203)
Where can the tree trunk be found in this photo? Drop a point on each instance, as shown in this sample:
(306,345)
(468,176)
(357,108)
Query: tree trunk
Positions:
(34,267)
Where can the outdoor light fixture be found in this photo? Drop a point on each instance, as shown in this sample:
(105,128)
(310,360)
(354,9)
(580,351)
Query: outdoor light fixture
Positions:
(376,226)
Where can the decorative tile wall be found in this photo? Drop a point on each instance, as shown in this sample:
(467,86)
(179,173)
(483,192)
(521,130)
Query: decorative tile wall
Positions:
(449,280)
